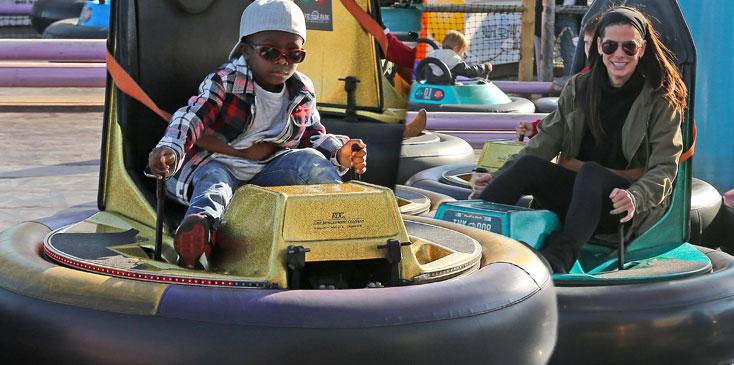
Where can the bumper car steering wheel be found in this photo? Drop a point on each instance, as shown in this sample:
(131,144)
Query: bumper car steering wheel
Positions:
(423,72)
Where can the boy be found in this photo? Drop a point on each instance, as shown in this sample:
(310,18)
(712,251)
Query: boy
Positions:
(452,54)
(265,111)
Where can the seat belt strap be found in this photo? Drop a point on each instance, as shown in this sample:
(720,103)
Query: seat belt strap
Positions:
(130,87)
(691,150)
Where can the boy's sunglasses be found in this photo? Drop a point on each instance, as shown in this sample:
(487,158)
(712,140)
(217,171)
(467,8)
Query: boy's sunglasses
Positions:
(273,54)
(630,48)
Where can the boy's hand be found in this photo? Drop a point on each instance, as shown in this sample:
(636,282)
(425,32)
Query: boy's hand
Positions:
(357,160)
(259,151)
(161,161)
(489,67)
(479,181)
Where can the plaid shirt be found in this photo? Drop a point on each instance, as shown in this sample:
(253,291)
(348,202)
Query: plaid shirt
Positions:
(224,108)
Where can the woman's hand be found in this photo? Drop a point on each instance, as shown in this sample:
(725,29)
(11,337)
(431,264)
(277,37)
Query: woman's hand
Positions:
(525,129)
(622,202)
(356,159)
(161,161)
(479,181)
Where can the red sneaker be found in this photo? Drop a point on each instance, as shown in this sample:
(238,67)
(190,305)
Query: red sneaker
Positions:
(194,238)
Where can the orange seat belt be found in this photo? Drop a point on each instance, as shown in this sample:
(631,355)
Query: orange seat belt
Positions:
(130,87)
(367,22)
(691,150)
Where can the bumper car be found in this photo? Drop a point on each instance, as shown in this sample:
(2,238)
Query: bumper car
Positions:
(655,299)
(92,23)
(46,12)
(474,110)
(448,95)
(335,268)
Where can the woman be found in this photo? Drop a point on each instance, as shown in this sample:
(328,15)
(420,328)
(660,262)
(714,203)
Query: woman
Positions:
(617,136)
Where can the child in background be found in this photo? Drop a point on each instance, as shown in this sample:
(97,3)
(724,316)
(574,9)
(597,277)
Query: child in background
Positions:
(452,54)
(264,113)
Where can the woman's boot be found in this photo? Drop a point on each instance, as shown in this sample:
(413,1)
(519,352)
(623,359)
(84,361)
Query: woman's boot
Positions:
(561,251)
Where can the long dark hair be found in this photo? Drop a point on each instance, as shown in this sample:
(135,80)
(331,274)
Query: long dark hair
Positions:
(656,65)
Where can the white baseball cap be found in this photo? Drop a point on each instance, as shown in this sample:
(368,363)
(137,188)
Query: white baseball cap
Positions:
(264,15)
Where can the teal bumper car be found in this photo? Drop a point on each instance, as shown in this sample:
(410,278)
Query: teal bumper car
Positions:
(445,94)
(656,298)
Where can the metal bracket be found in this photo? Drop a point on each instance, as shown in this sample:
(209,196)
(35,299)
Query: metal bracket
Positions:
(350,86)
(295,260)
(394,256)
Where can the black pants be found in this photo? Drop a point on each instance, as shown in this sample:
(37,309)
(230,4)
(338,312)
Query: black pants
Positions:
(581,200)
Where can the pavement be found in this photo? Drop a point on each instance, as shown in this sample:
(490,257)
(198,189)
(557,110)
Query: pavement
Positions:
(76,98)
(50,151)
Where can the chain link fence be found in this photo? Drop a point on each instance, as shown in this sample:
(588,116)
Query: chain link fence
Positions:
(493,30)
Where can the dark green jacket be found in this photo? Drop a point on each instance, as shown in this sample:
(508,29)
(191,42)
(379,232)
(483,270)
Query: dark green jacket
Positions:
(651,139)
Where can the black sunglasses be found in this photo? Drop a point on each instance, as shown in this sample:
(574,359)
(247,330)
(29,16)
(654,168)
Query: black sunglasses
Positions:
(273,54)
(630,48)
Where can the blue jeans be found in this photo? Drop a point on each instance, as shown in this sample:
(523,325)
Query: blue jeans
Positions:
(213,184)
(567,27)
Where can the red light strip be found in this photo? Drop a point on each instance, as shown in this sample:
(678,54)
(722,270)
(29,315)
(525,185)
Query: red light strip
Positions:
(149,277)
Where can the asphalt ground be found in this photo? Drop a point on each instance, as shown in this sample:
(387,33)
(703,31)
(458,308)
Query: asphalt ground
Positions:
(50,152)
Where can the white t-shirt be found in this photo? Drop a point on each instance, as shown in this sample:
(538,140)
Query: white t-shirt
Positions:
(270,124)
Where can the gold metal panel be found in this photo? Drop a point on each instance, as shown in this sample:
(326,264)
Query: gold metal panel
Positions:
(25,273)
(325,189)
(119,192)
(347,50)
(248,239)
(342,216)
(133,253)
(495,153)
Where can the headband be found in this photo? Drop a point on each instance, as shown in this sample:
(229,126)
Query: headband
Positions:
(625,15)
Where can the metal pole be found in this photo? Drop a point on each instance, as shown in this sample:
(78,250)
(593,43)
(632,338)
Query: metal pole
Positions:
(547,35)
(620,261)
(160,185)
(355,175)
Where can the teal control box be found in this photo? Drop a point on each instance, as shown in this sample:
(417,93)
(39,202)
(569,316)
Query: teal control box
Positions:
(523,224)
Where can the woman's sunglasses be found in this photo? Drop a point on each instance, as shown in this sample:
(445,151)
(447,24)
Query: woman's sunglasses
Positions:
(273,54)
(630,48)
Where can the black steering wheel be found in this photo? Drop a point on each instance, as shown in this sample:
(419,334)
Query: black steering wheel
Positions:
(424,73)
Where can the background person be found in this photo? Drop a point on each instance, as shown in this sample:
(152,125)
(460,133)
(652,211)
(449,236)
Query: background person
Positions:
(452,54)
